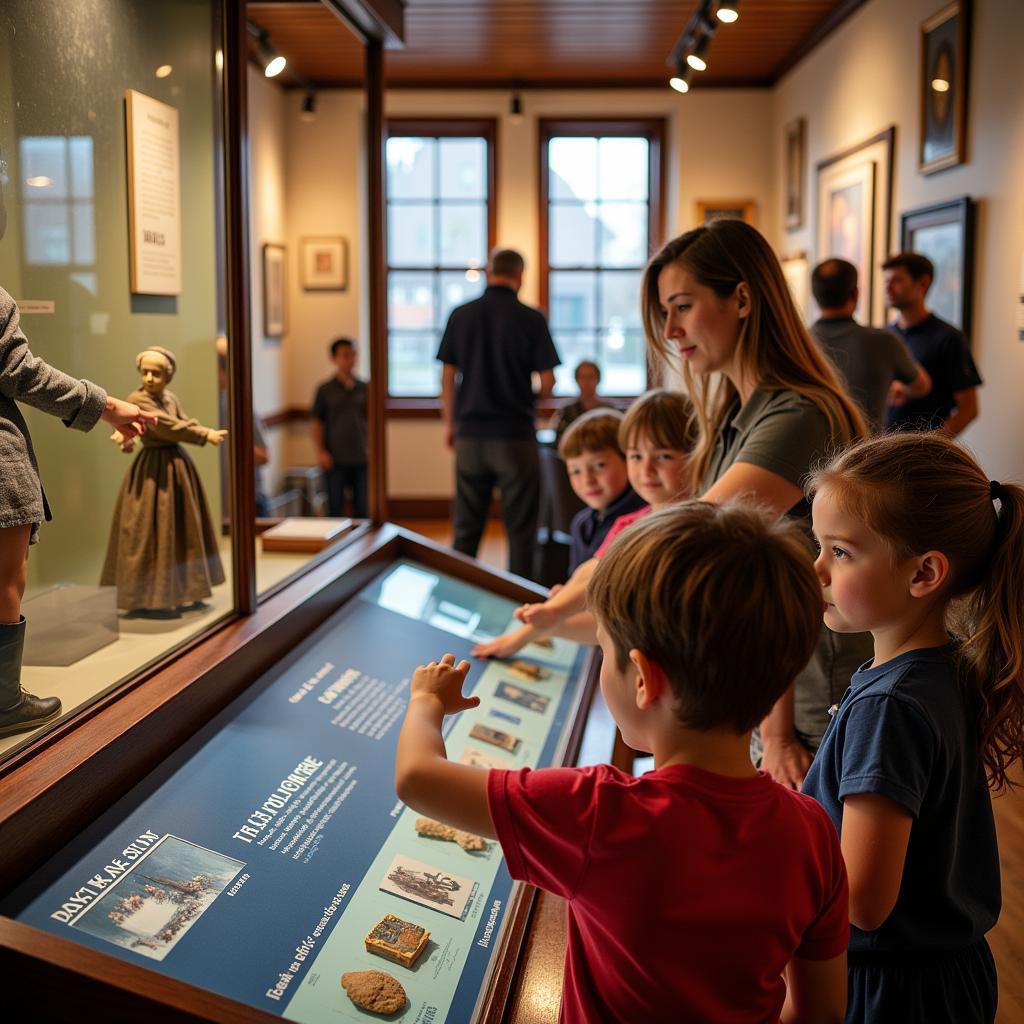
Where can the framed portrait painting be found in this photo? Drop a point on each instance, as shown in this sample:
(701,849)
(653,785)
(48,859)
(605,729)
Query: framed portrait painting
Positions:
(797,271)
(945,42)
(273,290)
(795,172)
(854,212)
(324,264)
(944,232)
(735,209)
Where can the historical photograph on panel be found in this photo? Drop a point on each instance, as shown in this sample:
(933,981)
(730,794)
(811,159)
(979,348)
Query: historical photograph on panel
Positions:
(524,698)
(478,759)
(429,886)
(498,737)
(149,909)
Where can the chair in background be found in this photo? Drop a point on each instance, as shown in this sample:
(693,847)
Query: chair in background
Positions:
(558,504)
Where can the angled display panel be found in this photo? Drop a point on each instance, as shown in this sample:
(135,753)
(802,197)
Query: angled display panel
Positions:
(275,832)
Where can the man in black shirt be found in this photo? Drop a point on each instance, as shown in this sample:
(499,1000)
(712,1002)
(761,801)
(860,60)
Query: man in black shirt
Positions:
(340,432)
(490,349)
(938,346)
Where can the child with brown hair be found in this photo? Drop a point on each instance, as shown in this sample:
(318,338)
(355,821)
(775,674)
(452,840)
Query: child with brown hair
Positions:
(915,540)
(596,466)
(657,434)
(694,889)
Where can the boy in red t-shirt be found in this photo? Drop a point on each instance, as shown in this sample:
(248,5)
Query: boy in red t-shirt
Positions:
(697,891)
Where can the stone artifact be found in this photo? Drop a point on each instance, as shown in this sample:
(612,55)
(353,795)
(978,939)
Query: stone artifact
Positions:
(375,991)
(529,671)
(438,830)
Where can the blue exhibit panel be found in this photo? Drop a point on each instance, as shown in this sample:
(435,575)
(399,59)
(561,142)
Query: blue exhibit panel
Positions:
(275,833)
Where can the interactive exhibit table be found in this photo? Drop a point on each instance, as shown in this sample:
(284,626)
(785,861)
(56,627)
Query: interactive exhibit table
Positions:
(255,860)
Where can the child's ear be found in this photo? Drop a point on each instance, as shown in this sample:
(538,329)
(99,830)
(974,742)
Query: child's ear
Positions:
(651,683)
(931,571)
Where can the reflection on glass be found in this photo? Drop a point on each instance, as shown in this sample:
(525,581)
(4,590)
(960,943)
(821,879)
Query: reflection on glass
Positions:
(412,365)
(598,214)
(572,300)
(411,238)
(58,206)
(573,235)
(623,234)
(572,168)
(410,167)
(463,168)
(458,608)
(410,299)
(437,240)
(623,168)
(463,234)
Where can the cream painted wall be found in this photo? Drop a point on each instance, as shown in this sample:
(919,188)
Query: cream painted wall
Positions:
(267,219)
(864,78)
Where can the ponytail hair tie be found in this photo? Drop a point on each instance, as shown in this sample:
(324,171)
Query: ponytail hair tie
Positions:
(995,490)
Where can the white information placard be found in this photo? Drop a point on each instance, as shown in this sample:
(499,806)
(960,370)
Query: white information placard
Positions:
(154,195)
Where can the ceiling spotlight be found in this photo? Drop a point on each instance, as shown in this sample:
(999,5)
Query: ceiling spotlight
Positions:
(273,63)
(680,81)
(696,59)
(163,71)
(728,11)
(308,107)
(515,110)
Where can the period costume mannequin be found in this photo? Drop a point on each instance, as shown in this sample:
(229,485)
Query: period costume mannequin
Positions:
(80,404)
(162,554)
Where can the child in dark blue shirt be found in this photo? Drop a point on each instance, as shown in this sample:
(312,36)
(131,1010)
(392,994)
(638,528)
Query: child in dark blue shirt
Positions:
(907,523)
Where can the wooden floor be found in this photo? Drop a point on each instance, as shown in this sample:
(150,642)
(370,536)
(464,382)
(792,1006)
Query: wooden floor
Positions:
(1006,939)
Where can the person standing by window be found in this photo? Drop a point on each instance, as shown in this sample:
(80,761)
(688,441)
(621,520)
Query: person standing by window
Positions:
(491,348)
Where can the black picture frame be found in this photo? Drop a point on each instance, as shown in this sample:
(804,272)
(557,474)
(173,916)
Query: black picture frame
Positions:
(944,76)
(944,232)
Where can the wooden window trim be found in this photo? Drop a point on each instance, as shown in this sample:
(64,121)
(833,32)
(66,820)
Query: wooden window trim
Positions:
(429,406)
(651,128)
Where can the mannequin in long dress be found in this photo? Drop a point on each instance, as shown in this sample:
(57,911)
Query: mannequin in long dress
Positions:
(162,555)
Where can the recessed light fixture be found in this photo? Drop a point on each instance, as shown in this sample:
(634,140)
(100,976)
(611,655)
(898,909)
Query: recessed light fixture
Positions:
(163,71)
(39,181)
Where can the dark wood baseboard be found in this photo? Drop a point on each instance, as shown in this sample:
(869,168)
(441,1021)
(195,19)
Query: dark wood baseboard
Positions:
(429,508)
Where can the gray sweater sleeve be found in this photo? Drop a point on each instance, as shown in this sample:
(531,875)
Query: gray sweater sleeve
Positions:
(30,380)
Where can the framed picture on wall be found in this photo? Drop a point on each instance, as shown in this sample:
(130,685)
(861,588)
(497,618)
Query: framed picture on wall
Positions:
(797,271)
(944,232)
(795,172)
(324,264)
(273,290)
(854,213)
(736,209)
(945,42)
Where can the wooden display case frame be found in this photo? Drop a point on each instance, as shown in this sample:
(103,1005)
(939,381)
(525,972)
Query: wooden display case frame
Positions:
(60,791)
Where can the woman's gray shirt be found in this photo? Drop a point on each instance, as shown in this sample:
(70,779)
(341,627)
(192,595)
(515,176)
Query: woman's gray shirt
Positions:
(26,378)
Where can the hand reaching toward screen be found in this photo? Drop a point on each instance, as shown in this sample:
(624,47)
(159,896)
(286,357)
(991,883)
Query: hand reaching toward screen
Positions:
(443,679)
(505,646)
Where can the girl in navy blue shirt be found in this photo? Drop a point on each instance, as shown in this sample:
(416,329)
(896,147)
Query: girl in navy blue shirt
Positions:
(915,541)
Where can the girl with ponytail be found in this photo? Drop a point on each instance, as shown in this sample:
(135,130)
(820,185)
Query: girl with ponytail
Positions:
(920,548)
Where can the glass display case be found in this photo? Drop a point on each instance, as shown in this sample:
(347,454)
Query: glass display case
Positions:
(114,254)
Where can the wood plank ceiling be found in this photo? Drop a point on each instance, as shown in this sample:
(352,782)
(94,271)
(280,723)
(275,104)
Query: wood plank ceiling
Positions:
(549,43)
